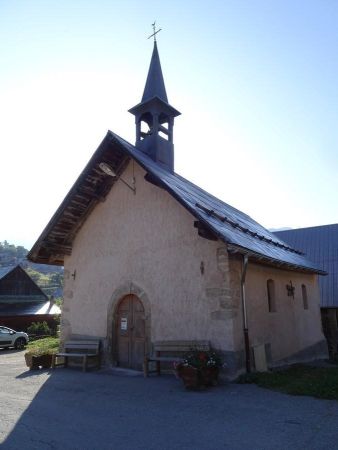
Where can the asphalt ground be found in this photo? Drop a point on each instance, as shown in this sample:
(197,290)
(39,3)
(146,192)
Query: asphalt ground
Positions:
(67,409)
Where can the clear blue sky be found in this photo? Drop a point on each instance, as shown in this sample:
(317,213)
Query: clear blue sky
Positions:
(256,82)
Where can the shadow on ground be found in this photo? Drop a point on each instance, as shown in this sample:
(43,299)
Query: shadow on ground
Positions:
(6,351)
(69,409)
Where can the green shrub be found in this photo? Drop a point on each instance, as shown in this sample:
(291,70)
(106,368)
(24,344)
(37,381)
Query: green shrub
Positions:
(39,328)
(42,346)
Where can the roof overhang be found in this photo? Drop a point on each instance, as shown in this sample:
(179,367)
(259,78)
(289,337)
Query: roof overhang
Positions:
(261,259)
(154,102)
(91,188)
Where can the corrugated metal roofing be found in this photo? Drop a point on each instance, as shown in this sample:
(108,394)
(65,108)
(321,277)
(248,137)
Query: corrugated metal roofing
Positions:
(228,223)
(7,298)
(321,245)
(20,309)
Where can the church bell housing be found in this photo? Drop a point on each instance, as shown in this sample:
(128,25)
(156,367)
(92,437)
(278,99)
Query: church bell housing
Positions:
(154,118)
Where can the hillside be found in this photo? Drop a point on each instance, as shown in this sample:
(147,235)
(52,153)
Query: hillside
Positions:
(49,278)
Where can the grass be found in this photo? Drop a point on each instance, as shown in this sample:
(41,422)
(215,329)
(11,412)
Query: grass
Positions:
(45,345)
(319,382)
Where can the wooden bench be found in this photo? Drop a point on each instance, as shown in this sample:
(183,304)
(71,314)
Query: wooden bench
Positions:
(84,350)
(176,348)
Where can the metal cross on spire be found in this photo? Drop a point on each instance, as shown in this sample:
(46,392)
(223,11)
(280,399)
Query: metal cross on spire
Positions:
(154,31)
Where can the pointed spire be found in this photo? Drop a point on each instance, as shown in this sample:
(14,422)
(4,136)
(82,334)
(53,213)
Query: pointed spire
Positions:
(155,83)
(154,117)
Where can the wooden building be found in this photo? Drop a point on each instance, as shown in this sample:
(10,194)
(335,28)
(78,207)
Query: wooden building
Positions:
(22,301)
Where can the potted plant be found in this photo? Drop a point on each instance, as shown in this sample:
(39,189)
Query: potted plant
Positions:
(199,369)
(34,360)
(40,353)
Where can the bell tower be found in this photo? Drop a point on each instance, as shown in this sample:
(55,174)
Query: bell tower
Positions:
(154,117)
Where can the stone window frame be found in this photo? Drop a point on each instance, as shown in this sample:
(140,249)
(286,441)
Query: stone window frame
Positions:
(271,294)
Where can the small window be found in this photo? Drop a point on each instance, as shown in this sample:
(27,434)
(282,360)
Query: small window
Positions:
(304,296)
(270,285)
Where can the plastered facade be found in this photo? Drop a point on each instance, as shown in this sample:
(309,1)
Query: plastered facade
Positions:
(291,329)
(146,243)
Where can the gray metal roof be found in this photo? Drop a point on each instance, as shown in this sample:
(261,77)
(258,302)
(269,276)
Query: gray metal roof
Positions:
(228,223)
(220,220)
(321,245)
(5,270)
(21,309)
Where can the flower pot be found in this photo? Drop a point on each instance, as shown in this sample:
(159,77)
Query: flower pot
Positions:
(190,376)
(209,376)
(194,378)
(34,362)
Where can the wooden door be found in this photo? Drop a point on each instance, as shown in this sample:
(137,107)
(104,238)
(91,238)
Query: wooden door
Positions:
(130,333)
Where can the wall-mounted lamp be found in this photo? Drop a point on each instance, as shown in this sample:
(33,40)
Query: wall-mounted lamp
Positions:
(109,171)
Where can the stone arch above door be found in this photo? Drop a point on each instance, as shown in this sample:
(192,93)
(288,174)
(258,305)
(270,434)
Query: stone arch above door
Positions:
(125,289)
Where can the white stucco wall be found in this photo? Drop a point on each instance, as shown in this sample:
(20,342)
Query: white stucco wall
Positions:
(148,239)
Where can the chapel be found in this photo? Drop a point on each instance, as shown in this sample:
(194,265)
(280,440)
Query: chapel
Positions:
(149,256)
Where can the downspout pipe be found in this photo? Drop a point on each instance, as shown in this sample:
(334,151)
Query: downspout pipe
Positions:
(245,317)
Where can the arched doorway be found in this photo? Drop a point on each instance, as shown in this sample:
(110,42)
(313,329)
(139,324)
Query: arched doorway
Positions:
(130,332)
